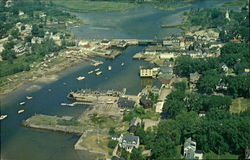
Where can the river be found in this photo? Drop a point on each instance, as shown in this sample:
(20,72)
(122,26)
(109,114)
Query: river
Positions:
(20,143)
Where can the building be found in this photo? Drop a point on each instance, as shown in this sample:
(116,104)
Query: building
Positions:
(148,72)
(145,102)
(135,122)
(36,40)
(247,153)
(167,55)
(124,102)
(129,142)
(190,152)
(105,42)
(193,78)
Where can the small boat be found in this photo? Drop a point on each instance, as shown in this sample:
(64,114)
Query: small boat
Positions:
(80,78)
(20,111)
(90,72)
(29,97)
(109,68)
(3,117)
(64,83)
(97,69)
(49,90)
(22,103)
(98,73)
(122,64)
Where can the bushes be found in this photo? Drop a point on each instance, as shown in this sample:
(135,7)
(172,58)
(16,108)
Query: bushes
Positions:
(112,144)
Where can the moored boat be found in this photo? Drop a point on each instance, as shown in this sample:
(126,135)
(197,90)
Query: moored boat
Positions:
(109,68)
(20,111)
(98,73)
(29,97)
(80,78)
(22,103)
(90,72)
(3,117)
(97,69)
(122,64)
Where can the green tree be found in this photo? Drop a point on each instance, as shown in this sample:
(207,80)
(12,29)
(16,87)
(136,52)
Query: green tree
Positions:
(112,144)
(208,81)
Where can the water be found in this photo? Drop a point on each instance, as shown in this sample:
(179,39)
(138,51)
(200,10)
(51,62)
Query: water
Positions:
(20,143)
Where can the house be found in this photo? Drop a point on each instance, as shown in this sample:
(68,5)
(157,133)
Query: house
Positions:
(115,137)
(193,78)
(167,55)
(145,102)
(247,153)
(202,113)
(105,42)
(150,52)
(129,142)
(19,49)
(148,72)
(124,102)
(133,124)
(36,40)
(190,152)
(224,67)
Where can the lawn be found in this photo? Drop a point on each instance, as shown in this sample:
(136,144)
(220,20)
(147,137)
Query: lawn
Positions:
(96,142)
(235,3)
(240,105)
(88,6)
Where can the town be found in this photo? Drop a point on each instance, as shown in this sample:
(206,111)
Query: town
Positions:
(199,108)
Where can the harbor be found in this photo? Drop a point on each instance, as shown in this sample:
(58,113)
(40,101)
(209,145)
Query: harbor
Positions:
(17,141)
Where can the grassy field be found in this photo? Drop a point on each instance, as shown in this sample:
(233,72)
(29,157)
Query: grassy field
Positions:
(236,3)
(227,156)
(240,105)
(96,142)
(88,6)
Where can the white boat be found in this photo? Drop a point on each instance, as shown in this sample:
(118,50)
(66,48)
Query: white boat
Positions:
(90,72)
(22,103)
(28,97)
(98,73)
(80,78)
(97,69)
(97,63)
(109,68)
(20,111)
(3,117)
(122,64)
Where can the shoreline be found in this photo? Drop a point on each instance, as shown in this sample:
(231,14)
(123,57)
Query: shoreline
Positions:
(49,76)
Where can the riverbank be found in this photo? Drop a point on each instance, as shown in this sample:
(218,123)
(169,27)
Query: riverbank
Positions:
(39,74)
(115,6)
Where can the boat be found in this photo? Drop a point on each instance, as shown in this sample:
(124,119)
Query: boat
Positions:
(28,97)
(109,68)
(3,117)
(22,103)
(122,64)
(97,63)
(97,69)
(20,111)
(90,72)
(98,73)
(80,78)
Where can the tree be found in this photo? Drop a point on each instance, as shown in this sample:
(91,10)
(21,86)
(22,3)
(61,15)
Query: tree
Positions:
(208,81)
(180,86)
(238,85)
(112,144)
(15,33)
(136,154)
